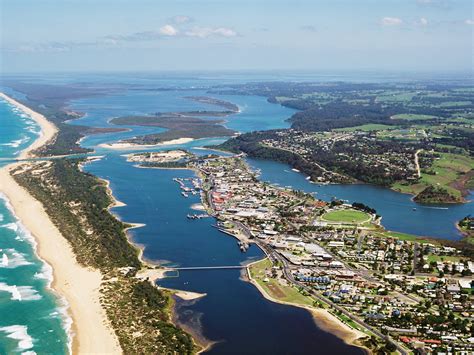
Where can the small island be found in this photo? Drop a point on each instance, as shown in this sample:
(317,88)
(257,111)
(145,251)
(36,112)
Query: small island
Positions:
(187,125)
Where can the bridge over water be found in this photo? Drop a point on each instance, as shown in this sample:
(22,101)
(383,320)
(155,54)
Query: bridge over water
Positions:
(207,268)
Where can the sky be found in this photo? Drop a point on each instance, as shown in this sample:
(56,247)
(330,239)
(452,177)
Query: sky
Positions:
(237,35)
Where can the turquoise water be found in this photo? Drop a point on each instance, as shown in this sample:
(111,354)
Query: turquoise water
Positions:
(32,318)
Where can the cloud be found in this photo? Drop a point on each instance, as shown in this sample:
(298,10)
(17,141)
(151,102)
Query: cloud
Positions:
(164,31)
(110,41)
(168,30)
(181,19)
(205,32)
(391,21)
(308,28)
(423,21)
(469,22)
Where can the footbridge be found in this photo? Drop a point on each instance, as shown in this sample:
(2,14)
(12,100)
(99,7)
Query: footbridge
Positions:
(206,268)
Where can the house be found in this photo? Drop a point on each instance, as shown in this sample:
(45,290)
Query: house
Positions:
(336,244)
(466,284)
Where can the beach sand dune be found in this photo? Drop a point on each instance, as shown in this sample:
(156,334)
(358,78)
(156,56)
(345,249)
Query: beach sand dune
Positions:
(132,146)
(78,285)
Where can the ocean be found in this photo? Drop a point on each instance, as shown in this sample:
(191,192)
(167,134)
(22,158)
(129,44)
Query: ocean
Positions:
(32,318)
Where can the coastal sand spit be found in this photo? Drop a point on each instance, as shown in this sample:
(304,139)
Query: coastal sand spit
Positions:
(124,146)
(78,285)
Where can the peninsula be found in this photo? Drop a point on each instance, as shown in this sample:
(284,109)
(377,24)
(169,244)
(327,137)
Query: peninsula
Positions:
(96,269)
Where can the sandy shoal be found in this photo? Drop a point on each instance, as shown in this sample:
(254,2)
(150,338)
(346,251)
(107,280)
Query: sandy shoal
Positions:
(77,284)
(123,145)
(48,129)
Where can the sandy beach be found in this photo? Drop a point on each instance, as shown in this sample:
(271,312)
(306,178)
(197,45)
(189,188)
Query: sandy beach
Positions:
(131,146)
(323,319)
(79,286)
(48,129)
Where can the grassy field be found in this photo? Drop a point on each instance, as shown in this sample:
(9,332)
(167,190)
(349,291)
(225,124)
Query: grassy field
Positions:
(407,237)
(412,117)
(447,169)
(366,128)
(454,103)
(346,216)
(395,96)
(274,288)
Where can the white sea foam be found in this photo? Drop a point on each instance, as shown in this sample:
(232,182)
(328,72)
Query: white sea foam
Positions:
(12,226)
(1,217)
(46,273)
(13,290)
(20,293)
(17,142)
(5,261)
(20,333)
(12,259)
(34,130)
(28,293)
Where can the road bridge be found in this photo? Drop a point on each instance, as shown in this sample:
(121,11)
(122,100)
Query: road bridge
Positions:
(206,268)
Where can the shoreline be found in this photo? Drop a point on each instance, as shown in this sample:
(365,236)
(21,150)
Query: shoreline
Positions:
(153,272)
(48,129)
(63,306)
(125,146)
(464,192)
(323,318)
(77,287)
